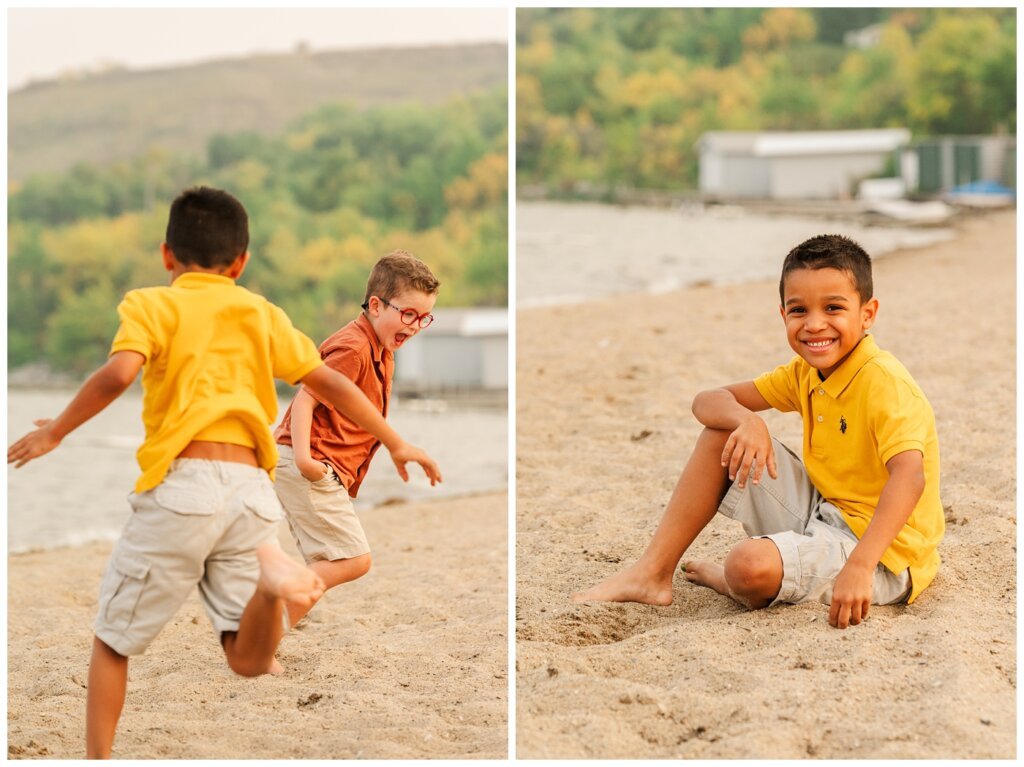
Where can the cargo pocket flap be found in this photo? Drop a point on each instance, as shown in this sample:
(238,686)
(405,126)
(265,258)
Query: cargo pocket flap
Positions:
(182,500)
(264,504)
(122,589)
(132,567)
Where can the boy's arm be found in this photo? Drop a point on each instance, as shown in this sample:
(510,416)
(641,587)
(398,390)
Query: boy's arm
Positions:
(349,399)
(102,388)
(301,425)
(733,408)
(851,593)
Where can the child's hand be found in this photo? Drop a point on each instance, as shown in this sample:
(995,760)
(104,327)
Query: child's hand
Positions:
(312,470)
(749,446)
(851,595)
(405,453)
(34,444)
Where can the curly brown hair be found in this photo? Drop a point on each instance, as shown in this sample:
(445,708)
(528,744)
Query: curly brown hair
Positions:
(398,271)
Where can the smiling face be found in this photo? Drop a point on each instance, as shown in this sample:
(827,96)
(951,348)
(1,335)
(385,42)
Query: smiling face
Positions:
(825,317)
(387,320)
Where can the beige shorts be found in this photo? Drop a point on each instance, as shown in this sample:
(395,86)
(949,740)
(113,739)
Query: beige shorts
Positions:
(200,526)
(320,514)
(810,533)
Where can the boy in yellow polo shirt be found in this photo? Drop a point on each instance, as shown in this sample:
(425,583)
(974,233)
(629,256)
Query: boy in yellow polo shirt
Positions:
(858,521)
(204,509)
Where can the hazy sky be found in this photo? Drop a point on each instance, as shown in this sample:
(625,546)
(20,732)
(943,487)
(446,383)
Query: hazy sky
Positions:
(42,43)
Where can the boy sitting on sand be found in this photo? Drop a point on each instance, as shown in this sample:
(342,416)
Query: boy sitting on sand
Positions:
(858,522)
(204,509)
(324,455)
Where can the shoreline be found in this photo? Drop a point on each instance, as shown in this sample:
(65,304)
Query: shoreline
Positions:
(408,662)
(574,253)
(600,445)
(97,467)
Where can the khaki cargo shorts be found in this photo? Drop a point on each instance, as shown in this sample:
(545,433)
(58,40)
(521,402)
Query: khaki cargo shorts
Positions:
(200,526)
(810,533)
(320,514)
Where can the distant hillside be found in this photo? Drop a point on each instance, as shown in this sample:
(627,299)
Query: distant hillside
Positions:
(120,114)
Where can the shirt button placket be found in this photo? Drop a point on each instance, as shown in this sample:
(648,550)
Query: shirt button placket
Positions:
(817,405)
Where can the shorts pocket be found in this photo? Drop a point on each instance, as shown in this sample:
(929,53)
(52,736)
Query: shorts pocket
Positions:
(128,574)
(262,501)
(329,481)
(188,493)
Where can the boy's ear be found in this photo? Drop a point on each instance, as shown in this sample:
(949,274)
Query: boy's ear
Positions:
(237,266)
(168,256)
(869,312)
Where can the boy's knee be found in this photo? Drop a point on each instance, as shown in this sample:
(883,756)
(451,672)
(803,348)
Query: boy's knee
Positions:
(713,439)
(338,571)
(362,563)
(753,571)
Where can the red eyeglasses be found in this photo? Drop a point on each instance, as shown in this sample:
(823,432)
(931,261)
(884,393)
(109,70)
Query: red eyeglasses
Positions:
(410,316)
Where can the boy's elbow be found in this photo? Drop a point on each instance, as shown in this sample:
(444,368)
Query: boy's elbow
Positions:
(122,379)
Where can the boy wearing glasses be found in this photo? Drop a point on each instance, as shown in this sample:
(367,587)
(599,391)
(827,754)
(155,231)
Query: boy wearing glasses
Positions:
(203,512)
(324,456)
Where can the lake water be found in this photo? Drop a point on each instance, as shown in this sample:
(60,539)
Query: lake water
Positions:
(573,252)
(77,493)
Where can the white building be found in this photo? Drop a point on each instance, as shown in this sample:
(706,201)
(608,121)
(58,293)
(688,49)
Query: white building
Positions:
(865,37)
(794,165)
(464,349)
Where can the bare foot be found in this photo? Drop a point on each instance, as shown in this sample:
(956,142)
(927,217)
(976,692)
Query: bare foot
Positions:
(710,574)
(630,585)
(283,577)
(275,667)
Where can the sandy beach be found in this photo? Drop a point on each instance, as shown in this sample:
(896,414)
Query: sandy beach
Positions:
(409,662)
(603,428)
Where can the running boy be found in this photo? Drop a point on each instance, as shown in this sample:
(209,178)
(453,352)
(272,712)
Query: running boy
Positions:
(324,454)
(859,521)
(204,510)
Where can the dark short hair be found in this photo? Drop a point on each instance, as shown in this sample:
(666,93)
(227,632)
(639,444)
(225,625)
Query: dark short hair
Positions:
(207,227)
(831,251)
(399,271)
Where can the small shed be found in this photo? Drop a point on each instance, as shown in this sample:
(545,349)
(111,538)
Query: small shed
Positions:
(463,350)
(937,164)
(801,165)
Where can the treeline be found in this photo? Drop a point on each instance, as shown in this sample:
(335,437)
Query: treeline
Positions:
(620,96)
(337,190)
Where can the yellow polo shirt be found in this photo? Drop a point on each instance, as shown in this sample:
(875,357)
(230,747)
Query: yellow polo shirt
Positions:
(867,411)
(213,350)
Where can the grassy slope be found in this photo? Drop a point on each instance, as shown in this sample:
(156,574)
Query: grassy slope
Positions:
(119,114)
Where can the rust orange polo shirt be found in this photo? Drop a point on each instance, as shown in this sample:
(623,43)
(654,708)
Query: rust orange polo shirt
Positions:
(355,352)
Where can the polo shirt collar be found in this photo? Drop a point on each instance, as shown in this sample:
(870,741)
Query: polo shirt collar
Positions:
(375,346)
(863,353)
(200,279)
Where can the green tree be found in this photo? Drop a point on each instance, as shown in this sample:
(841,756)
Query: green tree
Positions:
(957,59)
(79,332)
